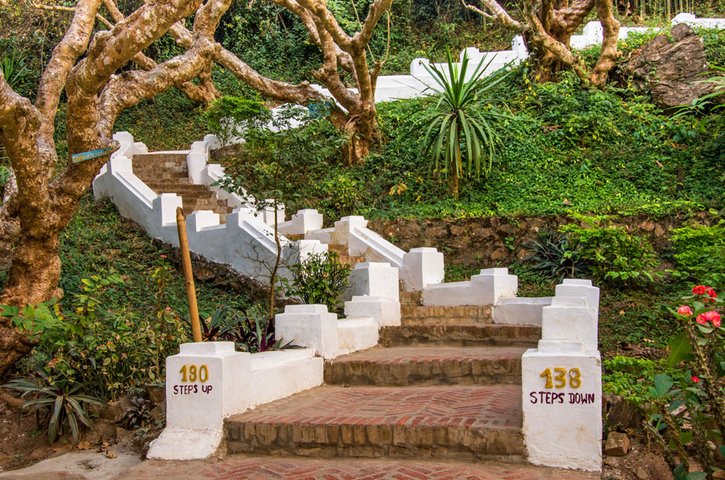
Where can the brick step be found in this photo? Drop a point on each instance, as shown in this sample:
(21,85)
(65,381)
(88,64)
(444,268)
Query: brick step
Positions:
(248,467)
(158,157)
(410,298)
(464,335)
(427,365)
(179,179)
(157,165)
(453,422)
(348,260)
(169,187)
(434,315)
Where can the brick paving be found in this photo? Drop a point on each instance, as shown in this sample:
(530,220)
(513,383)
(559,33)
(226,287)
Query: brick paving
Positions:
(451,315)
(427,365)
(442,422)
(240,467)
(524,335)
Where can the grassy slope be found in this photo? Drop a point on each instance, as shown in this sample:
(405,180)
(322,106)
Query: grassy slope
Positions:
(99,242)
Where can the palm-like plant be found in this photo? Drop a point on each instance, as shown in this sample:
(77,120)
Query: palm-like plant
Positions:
(59,402)
(458,123)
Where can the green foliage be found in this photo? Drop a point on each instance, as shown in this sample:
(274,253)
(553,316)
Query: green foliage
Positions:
(138,414)
(14,66)
(106,351)
(59,402)
(628,377)
(555,256)
(230,117)
(686,412)
(320,279)
(340,196)
(308,157)
(460,126)
(614,254)
(251,329)
(699,252)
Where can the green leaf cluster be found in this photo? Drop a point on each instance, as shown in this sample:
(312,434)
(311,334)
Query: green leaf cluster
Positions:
(320,279)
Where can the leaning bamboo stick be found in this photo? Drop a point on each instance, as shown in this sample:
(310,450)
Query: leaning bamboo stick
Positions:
(188,275)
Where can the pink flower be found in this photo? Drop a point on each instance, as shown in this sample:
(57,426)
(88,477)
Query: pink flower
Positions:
(709,317)
(684,310)
(698,290)
(164,256)
(695,379)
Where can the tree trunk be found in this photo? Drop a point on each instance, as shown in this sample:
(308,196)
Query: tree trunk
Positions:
(35,271)
(33,278)
(361,128)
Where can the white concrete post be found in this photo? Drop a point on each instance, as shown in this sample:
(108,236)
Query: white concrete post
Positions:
(422,266)
(562,389)
(212,141)
(306,220)
(205,383)
(268,212)
(376,279)
(120,164)
(574,287)
(310,326)
(165,206)
(384,310)
(201,219)
(196,161)
(343,227)
(417,68)
(492,284)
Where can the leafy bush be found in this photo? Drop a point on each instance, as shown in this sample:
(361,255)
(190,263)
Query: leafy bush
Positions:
(340,196)
(557,257)
(251,330)
(615,255)
(320,279)
(628,377)
(230,117)
(687,410)
(106,351)
(59,402)
(699,251)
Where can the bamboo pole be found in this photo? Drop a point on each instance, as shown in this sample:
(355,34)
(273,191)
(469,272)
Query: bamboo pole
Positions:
(188,275)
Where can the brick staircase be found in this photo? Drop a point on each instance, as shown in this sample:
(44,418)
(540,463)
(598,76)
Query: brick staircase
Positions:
(446,384)
(166,172)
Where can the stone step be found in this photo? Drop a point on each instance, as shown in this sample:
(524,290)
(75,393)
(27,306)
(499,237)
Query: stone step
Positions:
(410,298)
(452,422)
(427,365)
(464,335)
(343,256)
(436,315)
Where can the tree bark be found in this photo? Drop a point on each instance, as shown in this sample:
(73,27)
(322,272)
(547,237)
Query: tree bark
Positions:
(547,27)
(43,204)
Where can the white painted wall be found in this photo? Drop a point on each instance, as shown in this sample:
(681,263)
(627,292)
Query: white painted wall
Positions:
(562,383)
(209,381)
(245,242)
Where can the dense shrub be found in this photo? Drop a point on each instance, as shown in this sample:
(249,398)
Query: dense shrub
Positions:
(699,252)
(613,254)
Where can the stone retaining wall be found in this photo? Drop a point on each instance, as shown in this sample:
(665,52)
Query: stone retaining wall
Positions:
(500,241)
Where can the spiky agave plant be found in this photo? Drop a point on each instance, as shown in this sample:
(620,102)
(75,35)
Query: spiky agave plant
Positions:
(58,402)
(459,123)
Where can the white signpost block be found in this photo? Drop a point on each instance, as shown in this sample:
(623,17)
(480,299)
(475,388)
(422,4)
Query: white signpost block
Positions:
(205,383)
(562,389)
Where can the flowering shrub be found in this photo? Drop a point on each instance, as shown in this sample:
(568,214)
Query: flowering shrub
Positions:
(687,412)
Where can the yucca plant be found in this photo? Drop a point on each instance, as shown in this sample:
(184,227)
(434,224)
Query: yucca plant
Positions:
(459,124)
(59,404)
